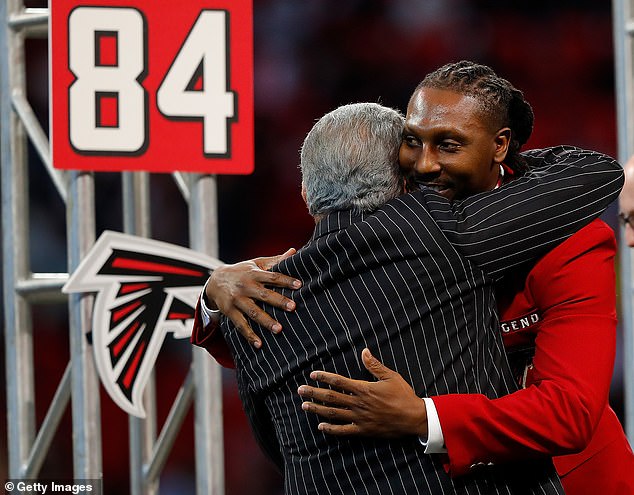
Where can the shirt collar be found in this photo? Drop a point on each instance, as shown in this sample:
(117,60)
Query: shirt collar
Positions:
(335,221)
(506,175)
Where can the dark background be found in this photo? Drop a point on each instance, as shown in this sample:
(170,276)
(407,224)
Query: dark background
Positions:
(311,56)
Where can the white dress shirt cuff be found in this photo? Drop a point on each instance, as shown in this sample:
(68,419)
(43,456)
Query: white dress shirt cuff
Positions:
(206,314)
(435,441)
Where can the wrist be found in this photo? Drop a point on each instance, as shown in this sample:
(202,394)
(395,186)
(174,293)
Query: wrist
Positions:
(420,418)
(208,301)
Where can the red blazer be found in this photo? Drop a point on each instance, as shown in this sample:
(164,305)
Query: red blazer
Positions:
(559,328)
(210,339)
(563,312)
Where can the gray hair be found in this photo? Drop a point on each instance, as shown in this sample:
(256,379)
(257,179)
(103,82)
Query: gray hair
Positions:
(349,159)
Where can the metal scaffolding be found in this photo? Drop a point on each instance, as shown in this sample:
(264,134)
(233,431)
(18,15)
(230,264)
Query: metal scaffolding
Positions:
(28,445)
(624,66)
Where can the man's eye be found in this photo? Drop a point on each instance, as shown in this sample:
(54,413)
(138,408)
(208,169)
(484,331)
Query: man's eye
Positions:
(411,140)
(449,146)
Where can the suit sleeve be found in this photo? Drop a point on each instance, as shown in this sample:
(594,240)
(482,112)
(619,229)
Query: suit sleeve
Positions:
(565,190)
(210,338)
(574,287)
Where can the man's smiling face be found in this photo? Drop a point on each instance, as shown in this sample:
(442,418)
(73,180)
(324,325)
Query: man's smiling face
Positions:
(450,145)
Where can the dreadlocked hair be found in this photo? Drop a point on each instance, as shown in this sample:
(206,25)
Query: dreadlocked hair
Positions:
(497,97)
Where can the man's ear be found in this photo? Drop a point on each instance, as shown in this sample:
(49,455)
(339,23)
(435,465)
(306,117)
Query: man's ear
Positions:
(502,141)
(304,193)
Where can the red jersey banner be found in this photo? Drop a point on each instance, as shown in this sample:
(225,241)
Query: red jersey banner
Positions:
(152,85)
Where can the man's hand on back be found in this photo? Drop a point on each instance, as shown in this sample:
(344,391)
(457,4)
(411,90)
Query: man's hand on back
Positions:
(233,289)
(386,408)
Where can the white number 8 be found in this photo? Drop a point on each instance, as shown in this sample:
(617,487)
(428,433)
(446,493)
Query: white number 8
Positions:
(126,132)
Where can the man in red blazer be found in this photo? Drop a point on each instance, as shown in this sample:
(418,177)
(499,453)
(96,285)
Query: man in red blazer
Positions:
(558,322)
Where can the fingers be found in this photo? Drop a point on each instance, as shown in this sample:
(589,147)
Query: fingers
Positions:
(374,366)
(334,414)
(267,262)
(253,286)
(330,413)
(325,396)
(337,381)
(233,289)
(243,327)
(230,282)
(340,430)
(253,312)
(261,293)
(289,252)
(276,279)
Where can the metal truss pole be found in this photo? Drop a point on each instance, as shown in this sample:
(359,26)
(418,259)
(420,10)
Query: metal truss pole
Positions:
(21,287)
(18,328)
(80,210)
(203,229)
(624,66)
(136,221)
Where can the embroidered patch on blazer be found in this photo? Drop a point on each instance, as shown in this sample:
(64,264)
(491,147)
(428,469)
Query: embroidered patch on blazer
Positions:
(522,323)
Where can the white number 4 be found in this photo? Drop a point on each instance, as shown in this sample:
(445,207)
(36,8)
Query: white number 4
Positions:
(203,54)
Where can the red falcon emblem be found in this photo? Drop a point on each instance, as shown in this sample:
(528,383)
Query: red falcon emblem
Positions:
(145,289)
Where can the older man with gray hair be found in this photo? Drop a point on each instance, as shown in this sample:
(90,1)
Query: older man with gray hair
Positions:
(402,275)
(352,166)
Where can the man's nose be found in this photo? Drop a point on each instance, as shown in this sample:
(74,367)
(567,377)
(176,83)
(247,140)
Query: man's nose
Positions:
(426,162)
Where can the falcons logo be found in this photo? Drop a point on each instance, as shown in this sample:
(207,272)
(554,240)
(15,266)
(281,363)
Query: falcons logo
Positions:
(145,288)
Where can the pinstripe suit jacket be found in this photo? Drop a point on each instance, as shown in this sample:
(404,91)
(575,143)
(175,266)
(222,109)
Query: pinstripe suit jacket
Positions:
(413,281)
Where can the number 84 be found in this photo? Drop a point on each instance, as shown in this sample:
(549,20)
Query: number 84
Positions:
(116,80)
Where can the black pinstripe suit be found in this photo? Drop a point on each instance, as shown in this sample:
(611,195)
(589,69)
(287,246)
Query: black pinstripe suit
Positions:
(413,282)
